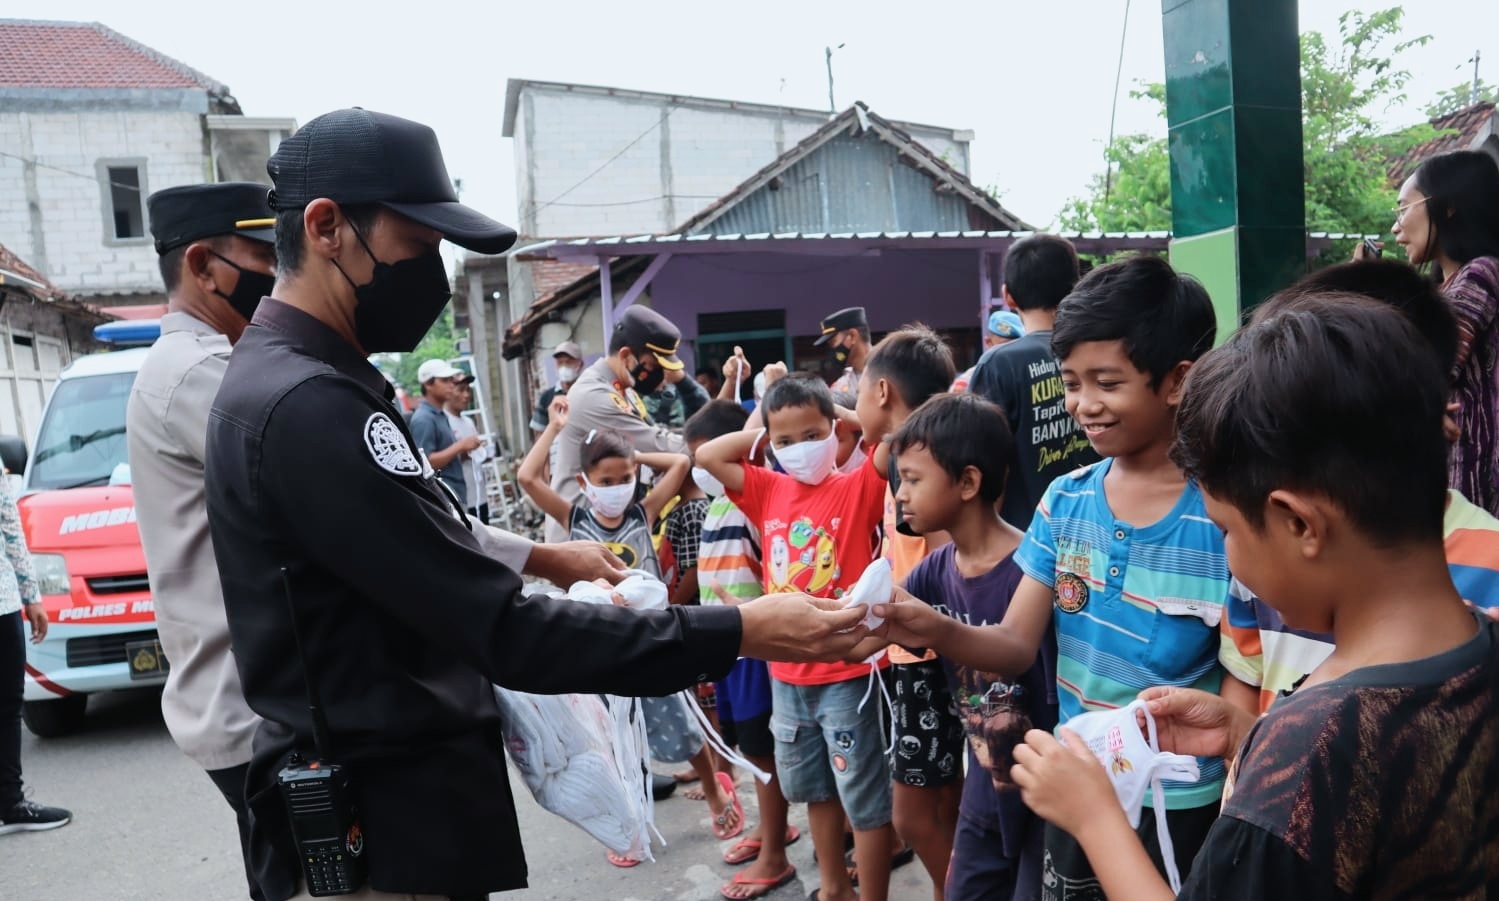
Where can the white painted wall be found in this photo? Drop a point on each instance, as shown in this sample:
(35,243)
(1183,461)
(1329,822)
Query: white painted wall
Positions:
(696,155)
(72,245)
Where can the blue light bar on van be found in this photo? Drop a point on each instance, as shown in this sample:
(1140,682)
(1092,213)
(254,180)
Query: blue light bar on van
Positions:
(129,332)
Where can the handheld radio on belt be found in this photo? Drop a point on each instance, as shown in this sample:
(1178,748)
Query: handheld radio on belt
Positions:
(324,820)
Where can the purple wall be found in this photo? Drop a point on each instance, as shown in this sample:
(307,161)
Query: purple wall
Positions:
(937,287)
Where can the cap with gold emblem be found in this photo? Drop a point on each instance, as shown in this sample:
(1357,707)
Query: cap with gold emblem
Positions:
(642,327)
(844,319)
(190,213)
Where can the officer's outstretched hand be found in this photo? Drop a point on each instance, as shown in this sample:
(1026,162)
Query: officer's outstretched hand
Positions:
(798,628)
(567,562)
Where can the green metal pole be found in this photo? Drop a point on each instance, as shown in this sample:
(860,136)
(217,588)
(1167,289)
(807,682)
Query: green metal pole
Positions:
(1233,114)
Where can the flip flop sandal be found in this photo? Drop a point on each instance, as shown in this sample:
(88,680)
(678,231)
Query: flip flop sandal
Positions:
(897,860)
(763,886)
(722,830)
(748,849)
(621,861)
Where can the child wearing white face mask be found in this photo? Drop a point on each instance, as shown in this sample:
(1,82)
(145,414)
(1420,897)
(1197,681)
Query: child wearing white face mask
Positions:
(818,529)
(607,512)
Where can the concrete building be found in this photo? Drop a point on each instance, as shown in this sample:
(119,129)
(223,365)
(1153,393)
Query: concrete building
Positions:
(592,161)
(91,123)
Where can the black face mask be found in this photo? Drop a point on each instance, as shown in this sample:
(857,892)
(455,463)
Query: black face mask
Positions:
(400,302)
(646,380)
(248,290)
(840,354)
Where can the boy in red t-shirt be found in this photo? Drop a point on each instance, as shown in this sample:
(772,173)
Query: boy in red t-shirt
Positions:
(819,530)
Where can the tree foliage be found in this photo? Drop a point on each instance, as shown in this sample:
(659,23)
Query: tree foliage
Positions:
(1459,96)
(439,342)
(1345,86)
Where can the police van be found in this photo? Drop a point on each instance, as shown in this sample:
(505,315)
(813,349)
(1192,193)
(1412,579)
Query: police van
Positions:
(78,515)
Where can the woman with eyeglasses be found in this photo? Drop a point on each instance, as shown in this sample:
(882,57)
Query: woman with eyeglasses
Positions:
(1448,222)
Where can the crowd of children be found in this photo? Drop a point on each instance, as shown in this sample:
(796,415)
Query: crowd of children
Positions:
(1268,531)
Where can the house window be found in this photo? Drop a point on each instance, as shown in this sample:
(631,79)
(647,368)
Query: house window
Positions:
(123,191)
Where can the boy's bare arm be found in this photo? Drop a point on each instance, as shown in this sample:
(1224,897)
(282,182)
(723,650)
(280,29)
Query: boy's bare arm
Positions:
(1240,694)
(724,457)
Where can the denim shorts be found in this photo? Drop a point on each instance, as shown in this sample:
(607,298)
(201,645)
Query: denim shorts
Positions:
(826,749)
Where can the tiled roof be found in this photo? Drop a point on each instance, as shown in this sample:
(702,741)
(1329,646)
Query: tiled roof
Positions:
(16,272)
(36,54)
(1459,131)
(12,264)
(548,276)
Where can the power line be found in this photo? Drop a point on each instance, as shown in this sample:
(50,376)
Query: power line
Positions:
(1108,168)
(93,178)
(642,200)
(657,124)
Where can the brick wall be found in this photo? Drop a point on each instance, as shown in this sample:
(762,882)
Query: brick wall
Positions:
(68,197)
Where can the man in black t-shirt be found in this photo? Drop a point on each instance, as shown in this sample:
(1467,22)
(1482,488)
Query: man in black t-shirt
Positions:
(1023,378)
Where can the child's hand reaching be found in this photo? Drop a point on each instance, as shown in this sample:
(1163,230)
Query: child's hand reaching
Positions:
(1191,721)
(557,412)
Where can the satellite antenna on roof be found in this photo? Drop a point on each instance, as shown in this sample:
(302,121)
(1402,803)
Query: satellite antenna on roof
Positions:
(832,106)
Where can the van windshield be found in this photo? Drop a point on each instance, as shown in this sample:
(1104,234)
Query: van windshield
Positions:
(82,439)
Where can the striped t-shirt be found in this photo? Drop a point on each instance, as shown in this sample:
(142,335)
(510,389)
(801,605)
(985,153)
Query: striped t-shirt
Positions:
(1134,606)
(728,553)
(1260,649)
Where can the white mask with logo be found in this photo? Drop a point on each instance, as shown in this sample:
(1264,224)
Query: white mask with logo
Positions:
(1136,763)
(609,500)
(706,481)
(810,462)
(567,374)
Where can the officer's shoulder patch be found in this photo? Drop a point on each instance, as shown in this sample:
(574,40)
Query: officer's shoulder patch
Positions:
(619,401)
(389,447)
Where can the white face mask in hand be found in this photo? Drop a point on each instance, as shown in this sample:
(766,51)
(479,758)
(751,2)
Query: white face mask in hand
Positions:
(610,500)
(705,480)
(810,462)
(1136,763)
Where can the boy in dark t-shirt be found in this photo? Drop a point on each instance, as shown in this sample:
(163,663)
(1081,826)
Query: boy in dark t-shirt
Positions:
(950,457)
(1023,378)
(1376,776)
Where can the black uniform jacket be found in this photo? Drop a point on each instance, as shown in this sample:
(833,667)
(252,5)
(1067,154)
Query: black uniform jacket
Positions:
(406,623)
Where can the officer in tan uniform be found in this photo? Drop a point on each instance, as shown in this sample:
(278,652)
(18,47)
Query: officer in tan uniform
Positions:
(608,395)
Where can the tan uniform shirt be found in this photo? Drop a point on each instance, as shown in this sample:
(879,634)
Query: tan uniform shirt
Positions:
(596,402)
(166,425)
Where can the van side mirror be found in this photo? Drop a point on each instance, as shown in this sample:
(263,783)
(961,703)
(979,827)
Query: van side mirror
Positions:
(13,454)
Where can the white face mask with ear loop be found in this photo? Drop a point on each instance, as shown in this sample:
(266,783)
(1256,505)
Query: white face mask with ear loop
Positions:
(609,500)
(706,481)
(1135,763)
(810,462)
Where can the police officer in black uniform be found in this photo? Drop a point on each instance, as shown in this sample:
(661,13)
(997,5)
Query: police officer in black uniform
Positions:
(404,620)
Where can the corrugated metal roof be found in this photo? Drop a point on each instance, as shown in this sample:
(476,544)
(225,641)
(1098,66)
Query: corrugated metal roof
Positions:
(908,171)
(623,245)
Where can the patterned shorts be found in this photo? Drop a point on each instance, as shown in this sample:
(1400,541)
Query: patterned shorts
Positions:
(928,733)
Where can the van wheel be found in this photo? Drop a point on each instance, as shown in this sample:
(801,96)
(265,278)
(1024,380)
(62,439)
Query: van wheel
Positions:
(55,718)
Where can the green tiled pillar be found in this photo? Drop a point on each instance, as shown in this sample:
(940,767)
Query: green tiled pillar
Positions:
(1233,113)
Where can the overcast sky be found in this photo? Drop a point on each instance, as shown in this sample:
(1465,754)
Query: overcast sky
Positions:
(1034,80)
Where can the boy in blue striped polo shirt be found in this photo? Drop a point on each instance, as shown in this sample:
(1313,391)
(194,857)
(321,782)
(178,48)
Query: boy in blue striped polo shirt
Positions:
(1121,555)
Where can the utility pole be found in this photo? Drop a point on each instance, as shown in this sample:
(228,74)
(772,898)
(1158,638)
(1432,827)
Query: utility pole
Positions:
(832,106)
(1473,95)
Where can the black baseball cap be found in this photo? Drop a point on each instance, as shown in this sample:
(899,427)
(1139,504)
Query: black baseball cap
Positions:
(644,327)
(190,213)
(844,319)
(355,156)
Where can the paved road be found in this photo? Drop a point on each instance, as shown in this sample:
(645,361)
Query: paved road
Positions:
(149,826)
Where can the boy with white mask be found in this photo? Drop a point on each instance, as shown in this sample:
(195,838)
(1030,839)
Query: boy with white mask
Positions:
(819,528)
